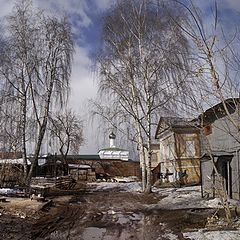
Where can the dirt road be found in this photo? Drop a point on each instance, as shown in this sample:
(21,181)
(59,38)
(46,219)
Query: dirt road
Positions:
(105,215)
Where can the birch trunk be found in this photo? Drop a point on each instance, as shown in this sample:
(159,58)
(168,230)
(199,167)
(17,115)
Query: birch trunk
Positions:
(42,130)
(23,104)
(142,162)
(149,154)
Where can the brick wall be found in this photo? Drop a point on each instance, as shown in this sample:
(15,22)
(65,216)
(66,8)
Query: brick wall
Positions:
(112,167)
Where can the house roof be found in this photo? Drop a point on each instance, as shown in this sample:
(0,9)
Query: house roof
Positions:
(166,123)
(218,111)
(214,153)
(209,116)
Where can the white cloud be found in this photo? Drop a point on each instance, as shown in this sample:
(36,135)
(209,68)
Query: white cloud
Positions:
(6,7)
(75,8)
(82,89)
(82,84)
(104,4)
(231,4)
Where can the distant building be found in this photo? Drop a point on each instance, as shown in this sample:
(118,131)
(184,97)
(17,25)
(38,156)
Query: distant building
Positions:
(113,152)
(109,162)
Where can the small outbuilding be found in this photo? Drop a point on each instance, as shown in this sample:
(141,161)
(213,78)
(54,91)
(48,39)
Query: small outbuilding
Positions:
(82,172)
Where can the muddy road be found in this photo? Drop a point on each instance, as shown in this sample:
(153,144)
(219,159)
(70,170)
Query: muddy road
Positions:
(105,215)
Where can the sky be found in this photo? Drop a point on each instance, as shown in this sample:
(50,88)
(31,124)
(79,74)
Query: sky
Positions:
(85,17)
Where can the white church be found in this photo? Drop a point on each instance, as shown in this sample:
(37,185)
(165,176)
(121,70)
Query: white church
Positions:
(113,152)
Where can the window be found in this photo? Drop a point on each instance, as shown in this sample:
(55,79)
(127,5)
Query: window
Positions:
(154,158)
(169,150)
(190,148)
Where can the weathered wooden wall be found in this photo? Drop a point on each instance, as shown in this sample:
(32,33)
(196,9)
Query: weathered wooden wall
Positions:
(11,175)
(83,174)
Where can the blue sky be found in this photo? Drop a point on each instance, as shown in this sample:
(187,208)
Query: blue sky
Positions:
(85,16)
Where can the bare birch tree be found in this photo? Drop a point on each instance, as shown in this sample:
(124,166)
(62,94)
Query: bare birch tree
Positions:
(36,67)
(67,129)
(140,65)
(212,78)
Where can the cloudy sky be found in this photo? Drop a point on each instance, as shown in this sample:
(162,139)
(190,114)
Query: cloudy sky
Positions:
(85,16)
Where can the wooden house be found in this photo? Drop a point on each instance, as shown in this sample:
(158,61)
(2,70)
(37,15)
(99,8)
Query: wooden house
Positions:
(221,147)
(179,141)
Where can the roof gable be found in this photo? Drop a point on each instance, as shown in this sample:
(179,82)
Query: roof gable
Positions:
(173,123)
(218,111)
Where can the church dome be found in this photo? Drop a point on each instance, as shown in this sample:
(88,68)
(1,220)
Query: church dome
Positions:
(112,135)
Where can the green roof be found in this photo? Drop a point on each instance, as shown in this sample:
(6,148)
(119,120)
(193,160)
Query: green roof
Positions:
(84,157)
(81,157)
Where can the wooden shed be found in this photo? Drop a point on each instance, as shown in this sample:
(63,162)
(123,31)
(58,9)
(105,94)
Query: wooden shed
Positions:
(82,172)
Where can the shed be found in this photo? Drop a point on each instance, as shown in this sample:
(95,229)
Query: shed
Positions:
(82,172)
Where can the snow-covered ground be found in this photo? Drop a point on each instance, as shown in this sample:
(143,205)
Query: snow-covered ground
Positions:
(179,198)
(174,198)
(213,235)
(127,187)
(8,191)
(185,198)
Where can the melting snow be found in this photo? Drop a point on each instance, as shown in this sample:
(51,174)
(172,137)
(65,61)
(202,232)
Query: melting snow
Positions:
(127,187)
(7,191)
(180,198)
(174,198)
(213,235)
(185,198)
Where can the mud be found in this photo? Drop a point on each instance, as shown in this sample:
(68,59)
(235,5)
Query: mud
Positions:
(103,215)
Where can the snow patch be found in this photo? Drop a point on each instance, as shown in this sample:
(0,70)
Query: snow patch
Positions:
(213,235)
(185,198)
(7,191)
(127,187)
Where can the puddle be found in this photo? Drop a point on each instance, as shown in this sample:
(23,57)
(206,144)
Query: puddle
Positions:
(93,233)
(136,217)
(122,219)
